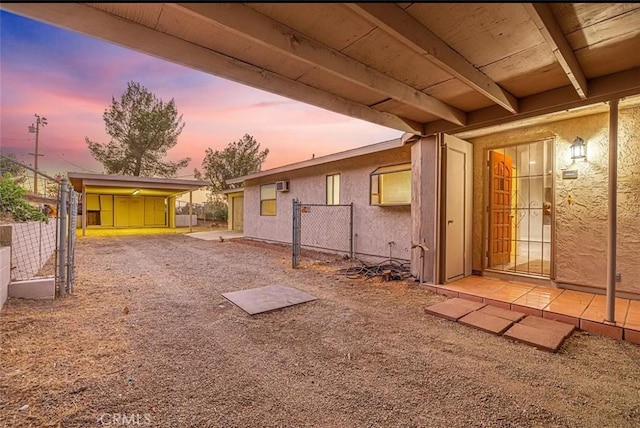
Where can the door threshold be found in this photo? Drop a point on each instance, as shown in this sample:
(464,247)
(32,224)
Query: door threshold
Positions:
(519,277)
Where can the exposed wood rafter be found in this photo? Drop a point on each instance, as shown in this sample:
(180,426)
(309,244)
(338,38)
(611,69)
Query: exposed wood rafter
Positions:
(88,20)
(601,89)
(245,22)
(408,30)
(543,18)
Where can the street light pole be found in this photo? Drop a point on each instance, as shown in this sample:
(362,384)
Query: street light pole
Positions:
(40,121)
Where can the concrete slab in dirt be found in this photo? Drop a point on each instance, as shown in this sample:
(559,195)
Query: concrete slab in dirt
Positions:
(269,298)
(546,340)
(486,322)
(453,309)
(502,313)
(547,324)
(214,235)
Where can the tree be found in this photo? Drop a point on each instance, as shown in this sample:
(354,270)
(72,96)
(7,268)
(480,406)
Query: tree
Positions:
(239,158)
(142,129)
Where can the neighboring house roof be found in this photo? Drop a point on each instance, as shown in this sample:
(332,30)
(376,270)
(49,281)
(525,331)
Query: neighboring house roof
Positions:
(127,184)
(359,151)
(236,190)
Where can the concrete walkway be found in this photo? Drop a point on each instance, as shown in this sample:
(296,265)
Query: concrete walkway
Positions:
(216,235)
(585,311)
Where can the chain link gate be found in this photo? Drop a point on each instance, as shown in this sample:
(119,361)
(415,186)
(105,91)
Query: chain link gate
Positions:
(322,227)
(43,248)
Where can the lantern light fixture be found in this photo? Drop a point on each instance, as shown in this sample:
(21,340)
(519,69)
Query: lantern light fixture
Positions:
(578,149)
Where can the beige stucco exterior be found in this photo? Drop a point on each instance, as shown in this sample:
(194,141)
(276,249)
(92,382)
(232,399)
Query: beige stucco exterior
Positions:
(580,205)
(374,226)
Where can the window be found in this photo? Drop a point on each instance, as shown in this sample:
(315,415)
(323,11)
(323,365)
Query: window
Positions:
(268,199)
(333,189)
(391,185)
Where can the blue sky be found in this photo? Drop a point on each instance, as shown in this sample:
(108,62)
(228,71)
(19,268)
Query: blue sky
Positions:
(70,79)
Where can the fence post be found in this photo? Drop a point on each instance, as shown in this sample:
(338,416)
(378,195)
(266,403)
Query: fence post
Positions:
(73,222)
(62,229)
(295,239)
(351,254)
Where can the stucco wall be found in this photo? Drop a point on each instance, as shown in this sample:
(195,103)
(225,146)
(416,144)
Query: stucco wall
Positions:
(374,226)
(581,204)
(5,273)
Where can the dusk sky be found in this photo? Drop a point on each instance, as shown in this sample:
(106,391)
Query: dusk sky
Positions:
(70,79)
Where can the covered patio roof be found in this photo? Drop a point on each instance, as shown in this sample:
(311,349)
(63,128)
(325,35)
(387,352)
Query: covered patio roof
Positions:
(420,68)
(129,185)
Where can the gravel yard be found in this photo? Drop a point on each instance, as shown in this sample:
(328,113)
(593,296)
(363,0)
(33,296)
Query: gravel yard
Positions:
(147,340)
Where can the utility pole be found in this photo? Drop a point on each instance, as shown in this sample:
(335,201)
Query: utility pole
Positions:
(40,121)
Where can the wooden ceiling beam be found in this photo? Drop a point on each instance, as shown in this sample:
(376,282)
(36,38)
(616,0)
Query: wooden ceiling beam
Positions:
(395,21)
(251,25)
(543,18)
(601,89)
(88,20)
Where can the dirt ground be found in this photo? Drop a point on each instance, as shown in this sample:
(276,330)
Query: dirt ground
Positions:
(146,339)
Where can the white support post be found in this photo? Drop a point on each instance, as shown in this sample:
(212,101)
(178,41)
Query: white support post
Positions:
(84,210)
(190,211)
(613,211)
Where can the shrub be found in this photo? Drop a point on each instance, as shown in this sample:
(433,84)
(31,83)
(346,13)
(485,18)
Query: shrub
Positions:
(12,202)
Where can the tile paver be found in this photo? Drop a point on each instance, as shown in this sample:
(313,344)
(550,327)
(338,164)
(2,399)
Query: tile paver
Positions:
(502,313)
(597,310)
(538,297)
(510,293)
(550,325)
(542,339)
(633,315)
(486,322)
(453,309)
(574,308)
(572,303)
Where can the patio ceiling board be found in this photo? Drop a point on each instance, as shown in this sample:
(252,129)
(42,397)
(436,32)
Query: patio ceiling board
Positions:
(610,46)
(183,24)
(257,28)
(459,95)
(546,23)
(577,16)
(392,58)
(520,77)
(494,48)
(345,29)
(400,109)
(484,33)
(411,32)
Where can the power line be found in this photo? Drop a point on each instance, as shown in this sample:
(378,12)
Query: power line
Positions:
(75,164)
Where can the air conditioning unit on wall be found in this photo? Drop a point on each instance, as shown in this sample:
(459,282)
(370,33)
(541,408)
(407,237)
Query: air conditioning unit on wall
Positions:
(282,186)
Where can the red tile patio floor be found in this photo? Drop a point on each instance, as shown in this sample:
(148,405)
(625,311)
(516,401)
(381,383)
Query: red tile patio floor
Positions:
(586,311)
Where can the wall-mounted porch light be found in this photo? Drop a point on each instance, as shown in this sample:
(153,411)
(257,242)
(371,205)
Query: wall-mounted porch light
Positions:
(135,192)
(578,149)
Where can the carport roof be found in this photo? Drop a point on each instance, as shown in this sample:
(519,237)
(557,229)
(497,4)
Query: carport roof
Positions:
(126,184)
(421,68)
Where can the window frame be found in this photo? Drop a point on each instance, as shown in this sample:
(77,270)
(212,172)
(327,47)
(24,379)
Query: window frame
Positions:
(336,195)
(386,170)
(274,199)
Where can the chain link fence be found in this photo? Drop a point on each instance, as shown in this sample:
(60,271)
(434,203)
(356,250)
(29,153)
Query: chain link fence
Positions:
(322,227)
(44,247)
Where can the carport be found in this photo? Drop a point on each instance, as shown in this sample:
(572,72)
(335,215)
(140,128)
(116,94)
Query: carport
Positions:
(115,201)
